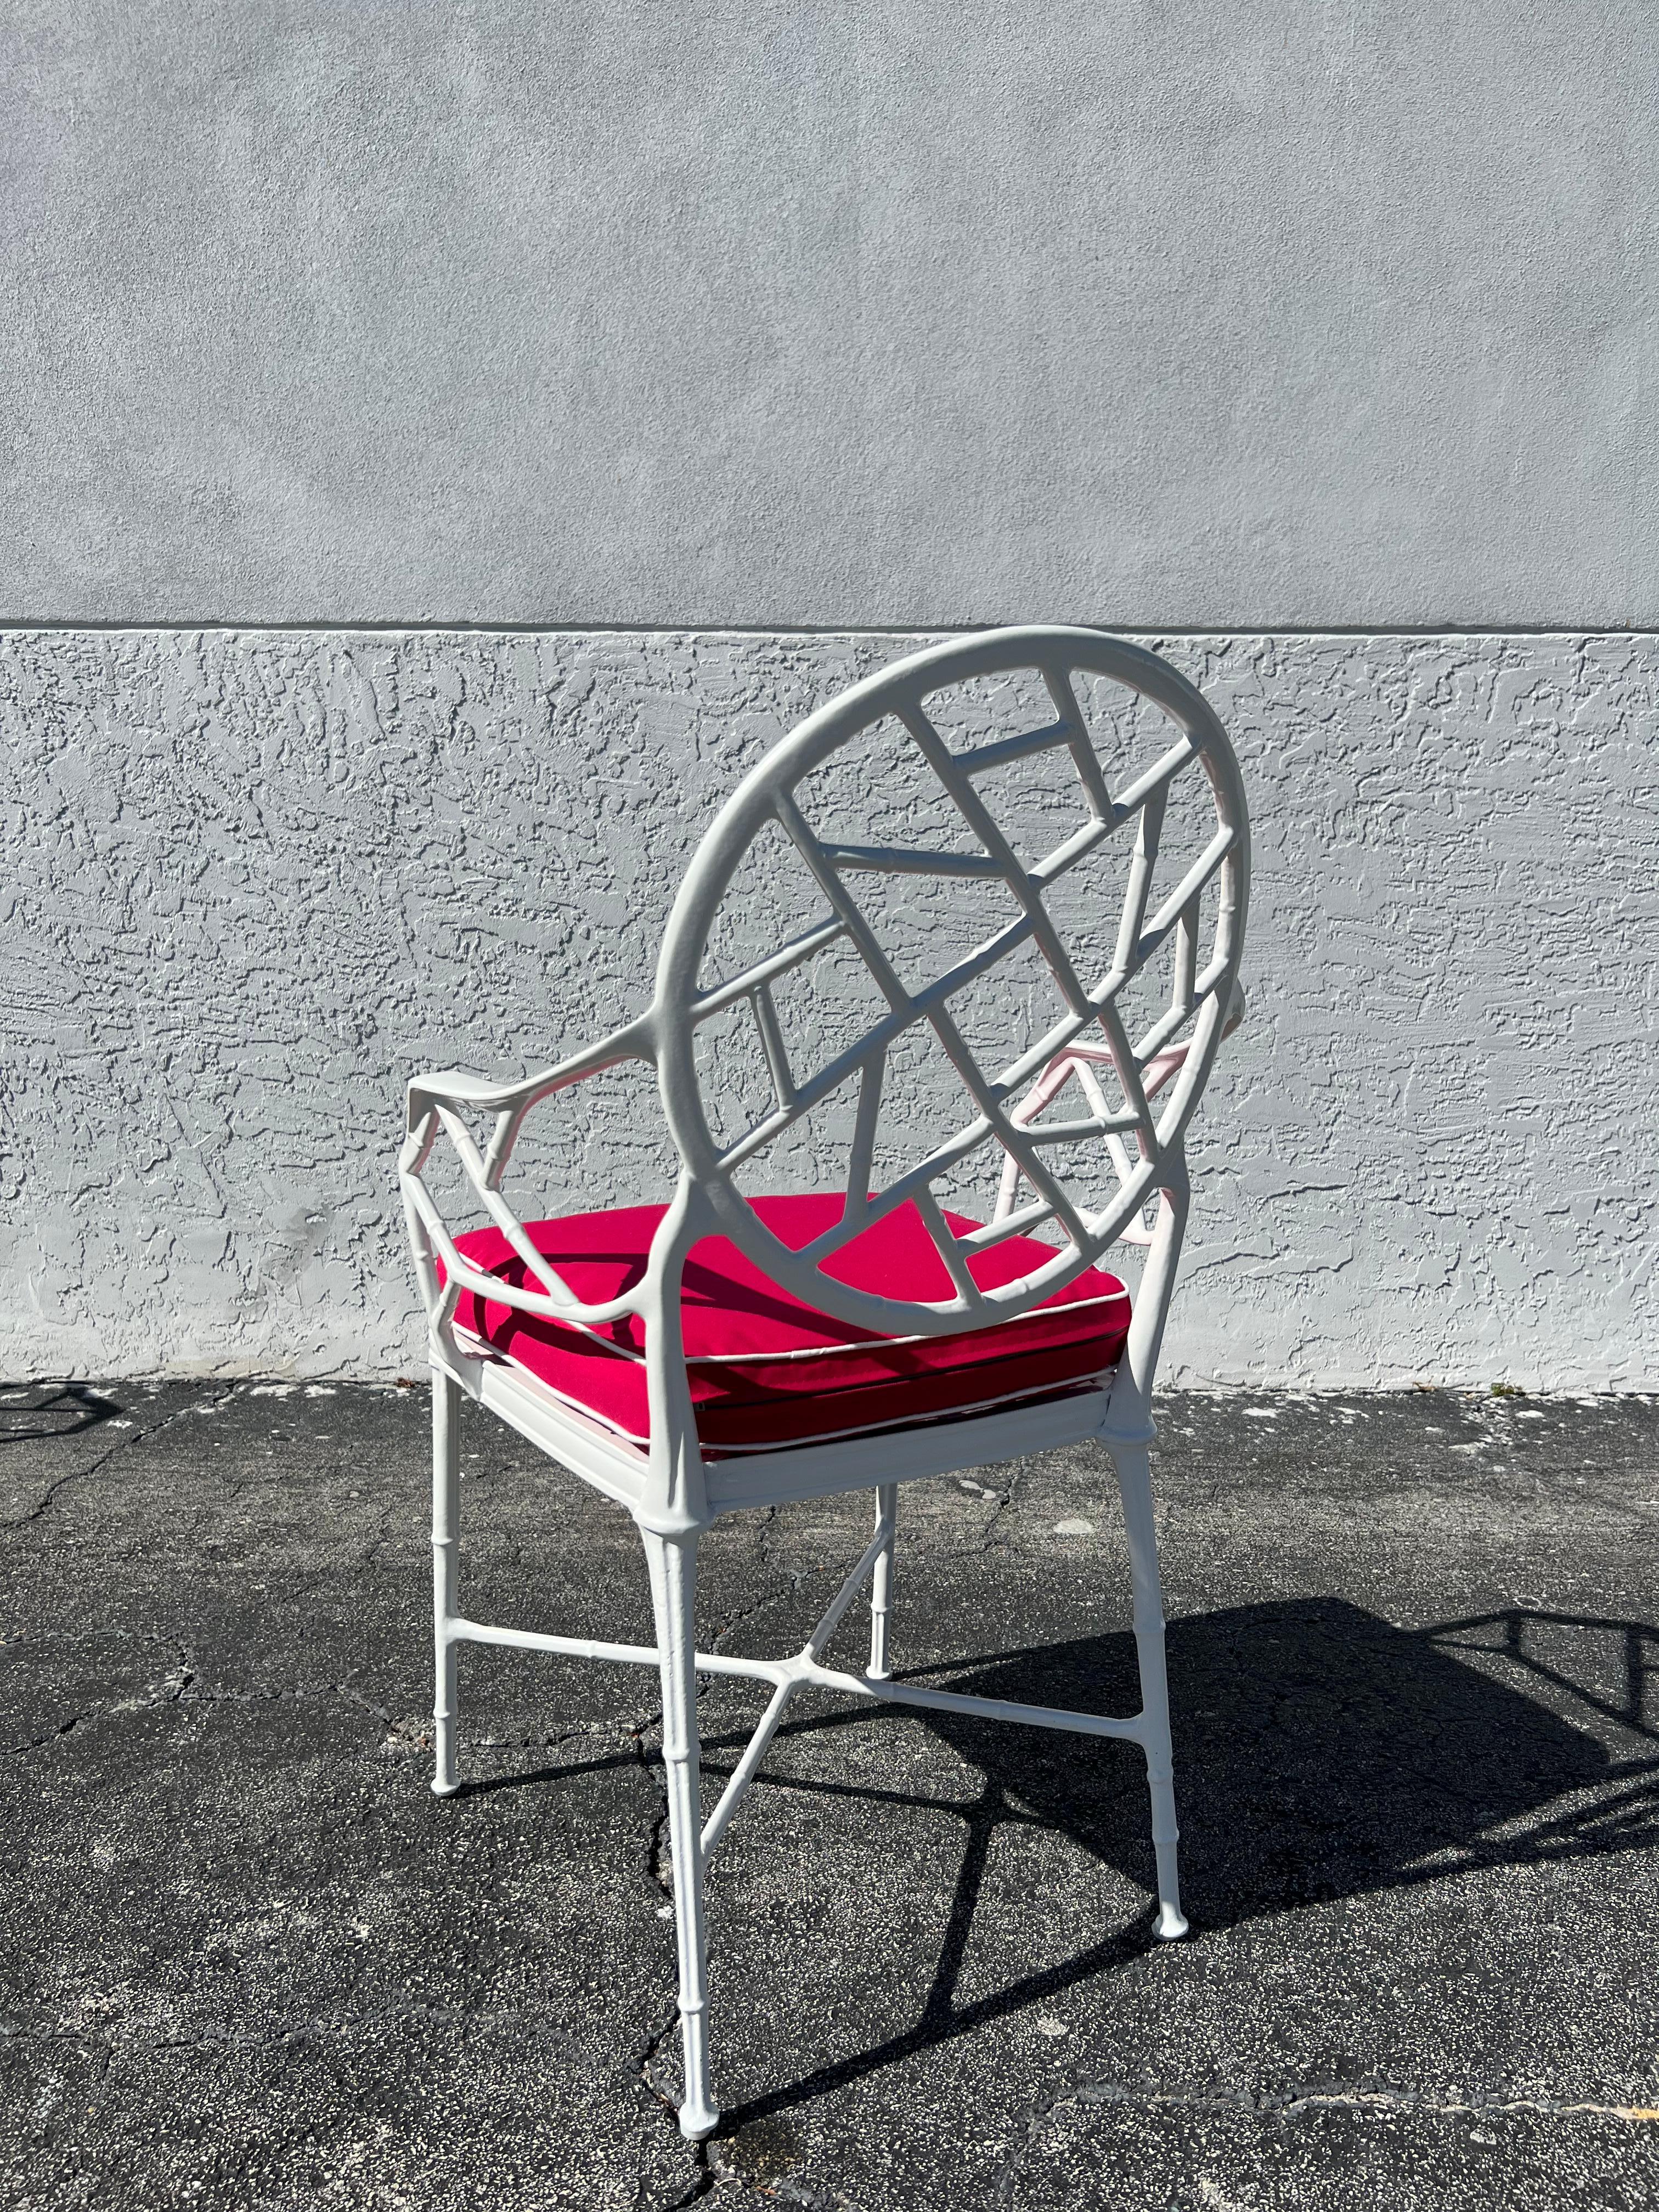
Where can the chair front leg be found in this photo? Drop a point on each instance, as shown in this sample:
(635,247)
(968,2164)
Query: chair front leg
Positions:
(672,1561)
(881,1580)
(1134,1483)
(445,1513)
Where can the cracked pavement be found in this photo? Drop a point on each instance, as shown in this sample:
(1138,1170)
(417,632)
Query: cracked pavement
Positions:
(250,1961)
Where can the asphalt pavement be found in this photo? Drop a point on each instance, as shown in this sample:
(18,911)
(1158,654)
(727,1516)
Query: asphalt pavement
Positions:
(246,1958)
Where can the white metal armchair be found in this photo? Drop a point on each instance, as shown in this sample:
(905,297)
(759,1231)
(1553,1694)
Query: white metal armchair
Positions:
(1048,943)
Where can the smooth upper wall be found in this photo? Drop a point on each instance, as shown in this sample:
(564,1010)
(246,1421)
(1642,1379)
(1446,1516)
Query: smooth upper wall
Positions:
(1284,316)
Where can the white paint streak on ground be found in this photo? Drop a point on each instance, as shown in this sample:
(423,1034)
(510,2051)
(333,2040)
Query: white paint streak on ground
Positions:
(254,881)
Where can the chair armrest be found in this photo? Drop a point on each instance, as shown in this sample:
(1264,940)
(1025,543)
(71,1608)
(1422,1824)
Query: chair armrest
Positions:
(455,1088)
(437,1104)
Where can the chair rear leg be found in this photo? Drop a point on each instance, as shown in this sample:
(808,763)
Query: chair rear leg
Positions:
(673,1564)
(1134,1482)
(445,1513)
(881,1580)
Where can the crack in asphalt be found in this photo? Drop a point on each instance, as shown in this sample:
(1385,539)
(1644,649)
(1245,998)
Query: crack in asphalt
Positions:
(171,1687)
(809,2195)
(180,1687)
(1276,2106)
(126,1442)
(748,1613)
(52,1736)
(1006,1500)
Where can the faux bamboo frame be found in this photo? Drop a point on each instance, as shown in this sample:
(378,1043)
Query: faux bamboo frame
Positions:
(672,1490)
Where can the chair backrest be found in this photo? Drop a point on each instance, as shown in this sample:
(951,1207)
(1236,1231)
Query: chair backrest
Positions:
(1002,872)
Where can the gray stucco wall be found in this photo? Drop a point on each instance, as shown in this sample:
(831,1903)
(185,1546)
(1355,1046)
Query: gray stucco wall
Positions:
(897,313)
(397,399)
(255,879)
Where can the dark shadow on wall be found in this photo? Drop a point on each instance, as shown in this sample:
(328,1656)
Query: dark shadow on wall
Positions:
(1322,1753)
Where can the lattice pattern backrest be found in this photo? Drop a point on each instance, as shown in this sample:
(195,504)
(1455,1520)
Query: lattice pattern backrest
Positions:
(938,947)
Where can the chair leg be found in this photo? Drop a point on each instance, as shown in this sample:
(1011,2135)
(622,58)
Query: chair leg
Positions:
(446,1482)
(1134,1482)
(881,1580)
(673,1564)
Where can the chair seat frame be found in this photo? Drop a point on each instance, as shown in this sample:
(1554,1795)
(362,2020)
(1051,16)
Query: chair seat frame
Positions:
(673,1492)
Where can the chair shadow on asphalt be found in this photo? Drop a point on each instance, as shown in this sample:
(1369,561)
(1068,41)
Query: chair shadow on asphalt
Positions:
(1321,1754)
(53,1410)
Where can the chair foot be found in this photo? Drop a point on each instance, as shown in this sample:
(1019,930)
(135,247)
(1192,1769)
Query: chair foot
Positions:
(1135,1487)
(697,2122)
(442,1788)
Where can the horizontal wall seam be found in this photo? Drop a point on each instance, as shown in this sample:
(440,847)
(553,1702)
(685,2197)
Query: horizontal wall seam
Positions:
(22,625)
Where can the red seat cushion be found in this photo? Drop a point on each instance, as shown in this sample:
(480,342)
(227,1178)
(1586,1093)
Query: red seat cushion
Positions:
(766,1371)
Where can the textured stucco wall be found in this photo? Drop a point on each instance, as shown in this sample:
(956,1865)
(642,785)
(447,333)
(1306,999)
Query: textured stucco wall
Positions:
(903,312)
(254,879)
